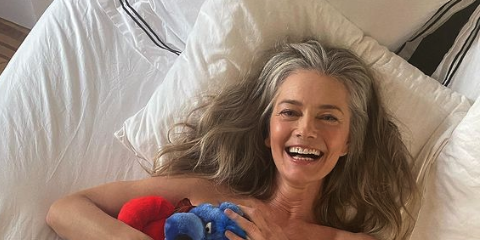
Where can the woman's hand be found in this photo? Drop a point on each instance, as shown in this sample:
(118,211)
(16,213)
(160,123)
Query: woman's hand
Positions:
(256,226)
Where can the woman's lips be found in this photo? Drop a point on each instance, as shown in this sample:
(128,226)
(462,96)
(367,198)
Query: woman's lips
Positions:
(300,158)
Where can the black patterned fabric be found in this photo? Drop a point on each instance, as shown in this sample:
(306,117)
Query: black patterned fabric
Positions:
(439,47)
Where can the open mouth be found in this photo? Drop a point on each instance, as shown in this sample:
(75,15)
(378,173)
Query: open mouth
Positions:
(304,154)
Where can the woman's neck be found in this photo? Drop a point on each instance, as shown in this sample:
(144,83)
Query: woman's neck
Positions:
(295,202)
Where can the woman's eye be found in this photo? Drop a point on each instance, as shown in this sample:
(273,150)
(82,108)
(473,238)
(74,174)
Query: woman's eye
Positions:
(329,118)
(288,113)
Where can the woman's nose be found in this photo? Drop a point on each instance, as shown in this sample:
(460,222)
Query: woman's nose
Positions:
(306,128)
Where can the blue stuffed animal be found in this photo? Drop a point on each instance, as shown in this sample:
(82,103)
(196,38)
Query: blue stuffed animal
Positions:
(204,222)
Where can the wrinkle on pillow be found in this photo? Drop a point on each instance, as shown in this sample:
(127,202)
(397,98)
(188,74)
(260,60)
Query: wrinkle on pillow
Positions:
(226,41)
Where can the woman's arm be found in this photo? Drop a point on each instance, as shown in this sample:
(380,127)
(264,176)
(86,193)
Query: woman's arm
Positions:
(91,213)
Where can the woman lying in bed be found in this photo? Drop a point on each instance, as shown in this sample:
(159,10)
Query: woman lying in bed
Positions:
(305,148)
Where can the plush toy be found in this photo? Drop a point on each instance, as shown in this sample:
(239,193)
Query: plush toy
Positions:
(147,214)
(159,219)
(204,222)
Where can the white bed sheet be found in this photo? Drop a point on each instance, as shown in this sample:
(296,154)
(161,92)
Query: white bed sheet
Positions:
(71,84)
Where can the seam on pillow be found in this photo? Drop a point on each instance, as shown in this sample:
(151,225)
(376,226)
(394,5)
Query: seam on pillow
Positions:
(133,34)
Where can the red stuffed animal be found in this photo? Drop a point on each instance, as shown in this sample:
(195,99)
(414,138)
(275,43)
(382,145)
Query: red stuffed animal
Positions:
(148,214)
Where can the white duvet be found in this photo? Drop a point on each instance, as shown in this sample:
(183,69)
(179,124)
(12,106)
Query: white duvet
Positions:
(71,84)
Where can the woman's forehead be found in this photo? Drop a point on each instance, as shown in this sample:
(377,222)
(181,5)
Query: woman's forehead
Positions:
(309,86)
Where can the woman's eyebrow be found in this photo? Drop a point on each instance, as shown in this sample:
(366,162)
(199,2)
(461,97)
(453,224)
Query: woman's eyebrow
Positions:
(330,107)
(323,106)
(290,101)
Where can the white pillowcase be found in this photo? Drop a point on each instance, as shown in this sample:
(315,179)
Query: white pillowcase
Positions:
(391,23)
(168,22)
(229,34)
(452,207)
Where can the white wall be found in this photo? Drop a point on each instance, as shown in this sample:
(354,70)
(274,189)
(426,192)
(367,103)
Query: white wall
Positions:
(23,12)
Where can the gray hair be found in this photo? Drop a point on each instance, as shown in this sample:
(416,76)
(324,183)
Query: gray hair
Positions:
(338,63)
(226,143)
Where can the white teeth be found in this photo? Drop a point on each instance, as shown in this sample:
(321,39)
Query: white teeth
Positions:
(300,150)
(303,158)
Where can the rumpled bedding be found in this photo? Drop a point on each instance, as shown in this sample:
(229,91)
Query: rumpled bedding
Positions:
(71,84)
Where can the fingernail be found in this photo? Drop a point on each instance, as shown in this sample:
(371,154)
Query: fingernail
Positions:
(228,212)
(228,234)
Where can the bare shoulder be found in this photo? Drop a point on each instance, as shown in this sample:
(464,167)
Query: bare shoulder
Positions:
(112,196)
(177,187)
(197,190)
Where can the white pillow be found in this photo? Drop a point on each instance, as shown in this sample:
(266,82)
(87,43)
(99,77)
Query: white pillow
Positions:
(391,23)
(453,189)
(228,35)
(149,25)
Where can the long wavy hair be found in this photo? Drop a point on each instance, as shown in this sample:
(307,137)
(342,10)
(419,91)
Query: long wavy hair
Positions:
(223,140)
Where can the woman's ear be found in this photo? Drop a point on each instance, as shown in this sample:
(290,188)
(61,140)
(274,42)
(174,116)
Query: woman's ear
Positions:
(345,150)
(267,142)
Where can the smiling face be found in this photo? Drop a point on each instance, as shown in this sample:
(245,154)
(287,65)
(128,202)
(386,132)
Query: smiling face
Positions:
(309,126)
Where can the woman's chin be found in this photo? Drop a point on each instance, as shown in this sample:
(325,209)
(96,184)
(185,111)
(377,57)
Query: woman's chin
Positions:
(302,170)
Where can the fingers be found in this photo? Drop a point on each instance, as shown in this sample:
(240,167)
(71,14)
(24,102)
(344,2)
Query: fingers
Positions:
(256,225)
(231,236)
(248,226)
(255,215)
